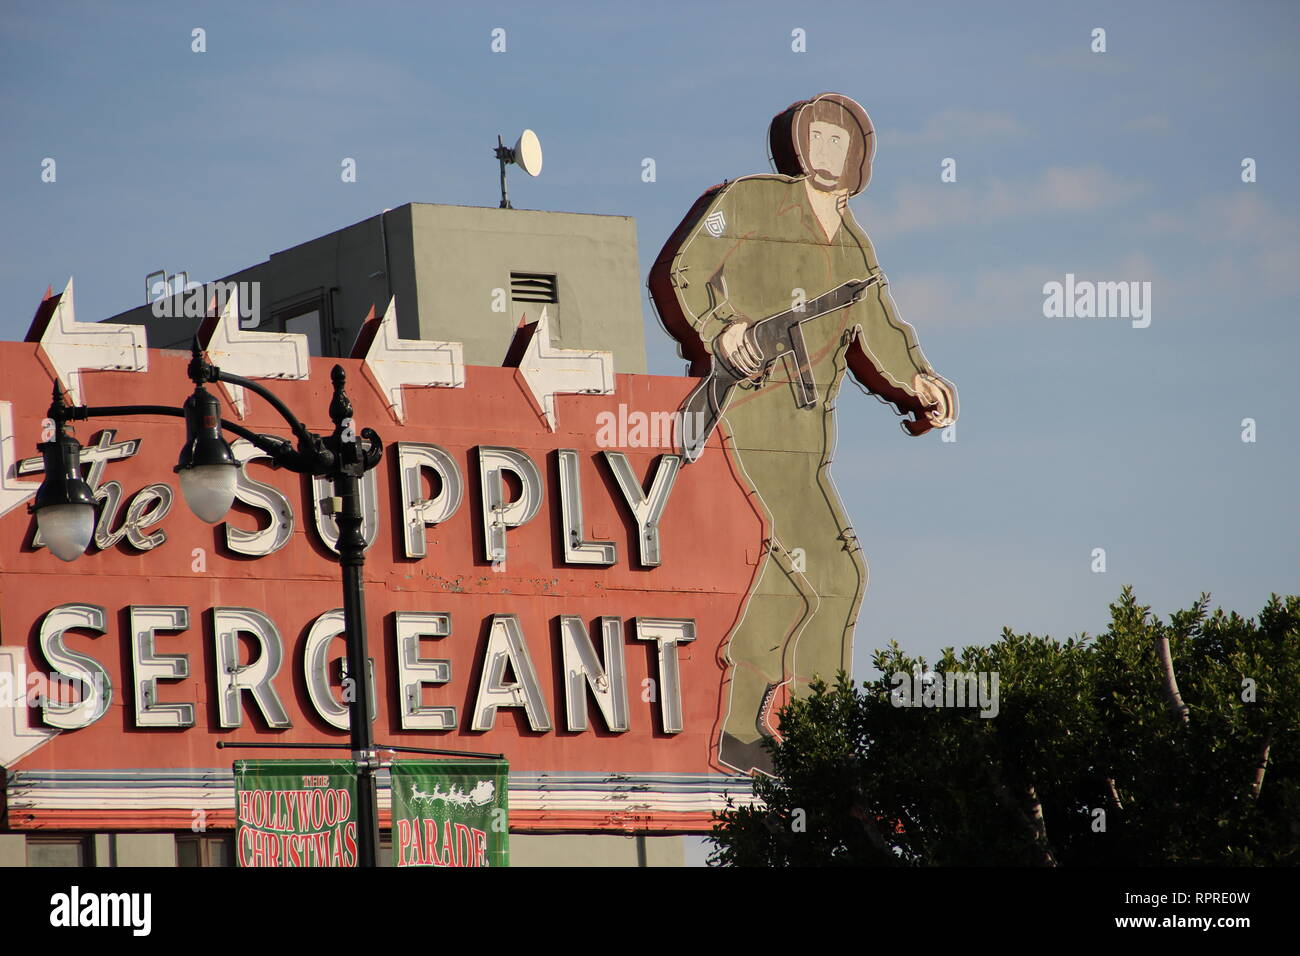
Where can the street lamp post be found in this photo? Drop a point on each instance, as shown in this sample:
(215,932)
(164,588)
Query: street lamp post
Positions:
(65,514)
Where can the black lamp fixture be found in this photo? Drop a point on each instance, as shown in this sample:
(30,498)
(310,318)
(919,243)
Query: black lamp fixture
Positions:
(207,467)
(64,505)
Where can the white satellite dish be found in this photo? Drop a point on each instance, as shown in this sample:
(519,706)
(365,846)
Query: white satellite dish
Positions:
(526,154)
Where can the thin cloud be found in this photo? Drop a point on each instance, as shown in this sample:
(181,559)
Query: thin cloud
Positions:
(955,125)
(942,206)
(1251,244)
(990,297)
(1152,123)
(1080,57)
(997,296)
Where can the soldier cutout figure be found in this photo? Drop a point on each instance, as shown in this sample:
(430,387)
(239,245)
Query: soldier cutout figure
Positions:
(773,292)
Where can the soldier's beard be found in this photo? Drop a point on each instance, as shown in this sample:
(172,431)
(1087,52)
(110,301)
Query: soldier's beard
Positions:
(825,180)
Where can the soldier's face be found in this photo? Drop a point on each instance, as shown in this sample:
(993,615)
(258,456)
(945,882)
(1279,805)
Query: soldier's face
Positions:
(828,148)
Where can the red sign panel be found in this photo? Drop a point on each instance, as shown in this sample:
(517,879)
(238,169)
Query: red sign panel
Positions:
(561,596)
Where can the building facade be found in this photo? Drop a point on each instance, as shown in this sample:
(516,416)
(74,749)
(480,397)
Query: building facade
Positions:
(460,273)
(126,785)
(613,579)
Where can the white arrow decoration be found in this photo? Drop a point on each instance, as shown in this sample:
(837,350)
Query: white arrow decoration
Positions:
(395,363)
(547,370)
(71,346)
(12,491)
(17,740)
(252,354)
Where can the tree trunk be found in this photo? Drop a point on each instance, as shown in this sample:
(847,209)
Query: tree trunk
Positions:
(1263,765)
(1114,794)
(1040,828)
(1174,699)
(1033,820)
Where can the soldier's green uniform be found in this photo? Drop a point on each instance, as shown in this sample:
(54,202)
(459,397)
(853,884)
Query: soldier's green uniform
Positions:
(755,250)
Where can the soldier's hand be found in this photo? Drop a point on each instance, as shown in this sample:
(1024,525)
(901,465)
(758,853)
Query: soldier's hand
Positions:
(736,351)
(939,396)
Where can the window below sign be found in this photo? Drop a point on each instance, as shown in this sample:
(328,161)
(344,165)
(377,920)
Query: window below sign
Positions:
(205,850)
(308,323)
(59,851)
(305,315)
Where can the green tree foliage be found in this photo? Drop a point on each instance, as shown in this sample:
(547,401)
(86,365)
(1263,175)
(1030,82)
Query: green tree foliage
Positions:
(1099,754)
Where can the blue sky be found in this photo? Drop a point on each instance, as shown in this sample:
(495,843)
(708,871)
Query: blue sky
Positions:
(1125,165)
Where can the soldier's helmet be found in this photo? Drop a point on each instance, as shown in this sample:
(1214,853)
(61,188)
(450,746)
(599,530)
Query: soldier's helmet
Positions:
(788,137)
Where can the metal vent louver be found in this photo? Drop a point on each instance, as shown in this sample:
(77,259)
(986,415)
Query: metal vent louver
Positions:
(532,287)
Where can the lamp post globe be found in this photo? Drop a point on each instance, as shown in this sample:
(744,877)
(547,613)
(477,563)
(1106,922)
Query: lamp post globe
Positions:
(207,467)
(64,505)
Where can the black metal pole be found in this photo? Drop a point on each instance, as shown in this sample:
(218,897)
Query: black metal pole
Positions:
(352,557)
(226,745)
(504,155)
(381,748)
(350,462)
(442,752)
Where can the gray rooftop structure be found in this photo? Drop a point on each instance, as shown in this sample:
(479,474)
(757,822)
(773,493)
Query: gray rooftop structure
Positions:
(466,274)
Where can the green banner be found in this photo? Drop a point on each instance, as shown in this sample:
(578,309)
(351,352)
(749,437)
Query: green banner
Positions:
(296,812)
(450,813)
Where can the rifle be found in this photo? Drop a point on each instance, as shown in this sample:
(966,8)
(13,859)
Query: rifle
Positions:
(772,338)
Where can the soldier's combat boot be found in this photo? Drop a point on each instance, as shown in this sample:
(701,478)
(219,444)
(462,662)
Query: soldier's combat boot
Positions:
(745,757)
